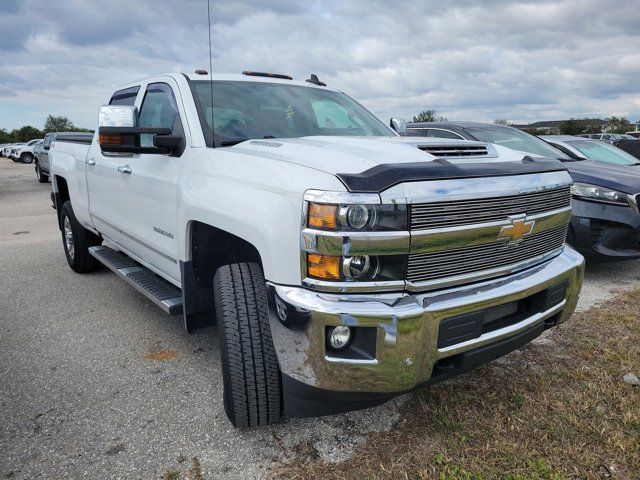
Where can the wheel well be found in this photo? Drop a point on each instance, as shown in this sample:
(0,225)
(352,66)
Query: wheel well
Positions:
(61,196)
(63,189)
(212,248)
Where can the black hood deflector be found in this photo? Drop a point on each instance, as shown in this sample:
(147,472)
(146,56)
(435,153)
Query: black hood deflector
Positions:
(382,177)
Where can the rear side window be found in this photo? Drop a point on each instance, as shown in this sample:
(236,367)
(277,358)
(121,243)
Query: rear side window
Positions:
(125,97)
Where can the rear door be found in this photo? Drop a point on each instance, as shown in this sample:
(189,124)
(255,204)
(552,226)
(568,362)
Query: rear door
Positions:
(107,201)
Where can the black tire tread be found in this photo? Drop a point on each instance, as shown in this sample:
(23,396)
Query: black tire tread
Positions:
(249,362)
(83,239)
(40,175)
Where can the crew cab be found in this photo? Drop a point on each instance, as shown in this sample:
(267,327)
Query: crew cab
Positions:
(342,263)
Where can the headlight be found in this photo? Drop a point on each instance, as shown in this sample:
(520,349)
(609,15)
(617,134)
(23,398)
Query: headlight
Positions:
(357,217)
(599,194)
(353,238)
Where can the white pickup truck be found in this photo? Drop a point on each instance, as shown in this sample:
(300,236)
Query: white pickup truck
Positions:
(342,263)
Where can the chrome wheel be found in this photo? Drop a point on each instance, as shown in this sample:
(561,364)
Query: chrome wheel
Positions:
(68,237)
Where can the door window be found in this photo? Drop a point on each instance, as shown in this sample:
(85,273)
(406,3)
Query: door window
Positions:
(417,132)
(159,109)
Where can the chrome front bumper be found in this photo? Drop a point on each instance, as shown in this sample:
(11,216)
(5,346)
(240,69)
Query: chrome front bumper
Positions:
(406,326)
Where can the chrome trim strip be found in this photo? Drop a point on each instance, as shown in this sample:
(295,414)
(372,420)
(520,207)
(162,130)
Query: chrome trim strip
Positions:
(350,361)
(353,287)
(355,243)
(464,188)
(438,239)
(509,330)
(131,237)
(482,275)
(346,198)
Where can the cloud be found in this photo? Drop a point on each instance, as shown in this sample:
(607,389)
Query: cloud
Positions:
(481,59)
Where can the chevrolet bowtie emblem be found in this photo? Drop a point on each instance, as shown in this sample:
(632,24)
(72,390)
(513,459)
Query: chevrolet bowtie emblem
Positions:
(518,229)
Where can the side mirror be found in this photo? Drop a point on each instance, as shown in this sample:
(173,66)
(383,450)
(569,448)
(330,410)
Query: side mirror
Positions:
(118,132)
(398,125)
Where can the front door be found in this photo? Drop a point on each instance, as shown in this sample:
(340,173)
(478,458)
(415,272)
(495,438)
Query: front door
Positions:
(143,213)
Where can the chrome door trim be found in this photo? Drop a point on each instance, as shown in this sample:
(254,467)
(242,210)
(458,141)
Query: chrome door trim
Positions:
(131,237)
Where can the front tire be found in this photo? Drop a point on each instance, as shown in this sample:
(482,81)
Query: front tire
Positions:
(76,241)
(252,393)
(40,175)
(26,158)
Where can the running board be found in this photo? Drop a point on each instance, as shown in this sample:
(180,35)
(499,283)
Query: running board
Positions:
(159,291)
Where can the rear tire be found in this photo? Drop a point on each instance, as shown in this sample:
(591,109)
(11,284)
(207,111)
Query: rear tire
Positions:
(26,158)
(40,175)
(76,241)
(252,393)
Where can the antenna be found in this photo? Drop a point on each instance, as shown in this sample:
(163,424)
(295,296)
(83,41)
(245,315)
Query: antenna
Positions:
(213,138)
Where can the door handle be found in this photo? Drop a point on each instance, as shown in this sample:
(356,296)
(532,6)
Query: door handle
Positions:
(90,161)
(124,169)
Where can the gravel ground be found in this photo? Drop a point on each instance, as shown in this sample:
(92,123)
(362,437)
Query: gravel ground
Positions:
(97,382)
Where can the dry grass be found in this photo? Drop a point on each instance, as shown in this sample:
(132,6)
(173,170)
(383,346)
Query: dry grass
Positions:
(554,410)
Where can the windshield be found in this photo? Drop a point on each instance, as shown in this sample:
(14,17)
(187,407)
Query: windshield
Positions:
(516,139)
(249,110)
(603,152)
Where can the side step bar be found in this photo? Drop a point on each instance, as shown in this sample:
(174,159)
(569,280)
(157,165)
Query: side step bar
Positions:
(158,290)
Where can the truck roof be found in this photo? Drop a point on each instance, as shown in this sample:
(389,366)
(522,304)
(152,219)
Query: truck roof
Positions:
(235,77)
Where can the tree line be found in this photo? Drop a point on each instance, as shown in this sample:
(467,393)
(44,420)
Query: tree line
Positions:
(52,124)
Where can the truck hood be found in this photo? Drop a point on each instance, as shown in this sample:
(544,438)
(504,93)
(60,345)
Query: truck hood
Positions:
(353,155)
(617,177)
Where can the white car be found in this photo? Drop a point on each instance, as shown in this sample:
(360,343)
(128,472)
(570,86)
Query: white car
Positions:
(342,263)
(6,150)
(24,153)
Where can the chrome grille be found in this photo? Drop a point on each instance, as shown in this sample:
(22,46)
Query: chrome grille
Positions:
(424,267)
(455,150)
(480,210)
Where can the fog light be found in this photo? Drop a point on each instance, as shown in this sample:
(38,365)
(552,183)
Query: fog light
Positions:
(339,337)
(359,267)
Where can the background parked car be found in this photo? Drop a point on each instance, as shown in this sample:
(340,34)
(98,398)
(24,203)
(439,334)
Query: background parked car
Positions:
(580,148)
(605,223)
(42,157)
(13,149)
(25,152)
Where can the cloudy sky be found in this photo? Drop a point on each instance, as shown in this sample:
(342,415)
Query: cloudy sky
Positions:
(472,60)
